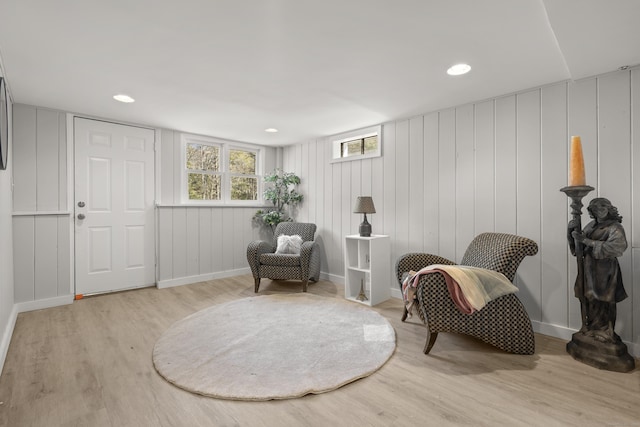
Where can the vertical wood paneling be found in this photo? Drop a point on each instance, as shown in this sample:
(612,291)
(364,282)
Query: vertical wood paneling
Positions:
(389,164)
(354,220)
(311,178)
(377,178)
(167,161)
(336,221)
(63,254)
(505,116)
(193,242)
(431,217)
(227,239)
(484,168)
(447,185)
(614,157)
(306,184)
(62,161)
(177,168)
(553,243)
(179,239)
(327,230)
(528,200)
(318,195)
(416,167)
(239,243)
(346,211)
(24,258)
(247,217)
(46,257)
(402,189)
(465,179)
(583,122)
(165,242)
(47,160)
(217,244)
(23,158)
(205,239)
(366,178)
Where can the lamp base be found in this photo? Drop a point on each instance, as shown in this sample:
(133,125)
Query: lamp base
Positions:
(365,228)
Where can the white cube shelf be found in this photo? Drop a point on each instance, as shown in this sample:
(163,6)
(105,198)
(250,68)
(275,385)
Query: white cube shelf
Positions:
(367,267)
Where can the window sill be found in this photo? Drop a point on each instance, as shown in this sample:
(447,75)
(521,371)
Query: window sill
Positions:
(354,158)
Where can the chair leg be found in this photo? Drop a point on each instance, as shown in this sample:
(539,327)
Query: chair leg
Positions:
(431,340)
(257,285)
(405,313)
(304,285)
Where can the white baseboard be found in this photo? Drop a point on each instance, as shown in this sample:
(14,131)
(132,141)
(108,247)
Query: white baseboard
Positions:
(6,336)
(333,278)
(201,278)
(43,303)
(555,331)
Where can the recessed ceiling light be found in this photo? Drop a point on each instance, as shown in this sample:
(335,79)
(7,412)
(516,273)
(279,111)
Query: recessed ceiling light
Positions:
(123,98)
(271,130)
(459,69)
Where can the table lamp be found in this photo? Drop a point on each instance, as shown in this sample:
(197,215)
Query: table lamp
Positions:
(364,205)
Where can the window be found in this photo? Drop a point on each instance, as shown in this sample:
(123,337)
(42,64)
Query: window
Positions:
(361,144)
(204,177)
(242,170)
(216,172)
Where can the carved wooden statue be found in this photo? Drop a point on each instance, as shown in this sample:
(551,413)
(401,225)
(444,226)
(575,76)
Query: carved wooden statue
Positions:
(599,288)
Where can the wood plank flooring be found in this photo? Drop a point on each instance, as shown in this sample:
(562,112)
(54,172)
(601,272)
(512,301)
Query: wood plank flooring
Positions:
(89,364)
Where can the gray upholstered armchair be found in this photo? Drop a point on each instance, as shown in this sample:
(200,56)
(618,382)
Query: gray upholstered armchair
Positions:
(264,262)
(503,322)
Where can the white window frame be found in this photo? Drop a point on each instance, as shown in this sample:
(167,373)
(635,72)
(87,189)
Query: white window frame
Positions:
(337,140)
(229,174)
(224,172)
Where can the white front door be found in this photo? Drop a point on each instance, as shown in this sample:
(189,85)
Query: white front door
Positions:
(114,220)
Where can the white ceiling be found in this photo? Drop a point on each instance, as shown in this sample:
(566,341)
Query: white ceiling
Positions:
(230,69)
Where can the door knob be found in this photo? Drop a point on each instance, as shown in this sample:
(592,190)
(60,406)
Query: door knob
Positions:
(81,216)
(81,204)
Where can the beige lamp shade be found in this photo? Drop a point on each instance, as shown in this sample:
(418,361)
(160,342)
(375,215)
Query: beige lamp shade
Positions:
(364,204)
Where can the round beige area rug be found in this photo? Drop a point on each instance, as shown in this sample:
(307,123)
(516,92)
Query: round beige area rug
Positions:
(274,347)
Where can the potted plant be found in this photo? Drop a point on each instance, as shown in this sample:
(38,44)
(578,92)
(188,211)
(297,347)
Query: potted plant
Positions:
(281,191)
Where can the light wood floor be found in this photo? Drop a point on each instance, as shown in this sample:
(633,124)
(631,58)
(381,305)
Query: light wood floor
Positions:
(89,364)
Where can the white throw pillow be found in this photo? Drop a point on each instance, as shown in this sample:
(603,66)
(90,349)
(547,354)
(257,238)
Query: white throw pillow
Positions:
(289,244)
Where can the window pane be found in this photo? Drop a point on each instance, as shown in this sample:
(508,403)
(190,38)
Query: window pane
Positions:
(204,187)
(352,148)
(371,144)
(242,162)
(203,157)
(244,188)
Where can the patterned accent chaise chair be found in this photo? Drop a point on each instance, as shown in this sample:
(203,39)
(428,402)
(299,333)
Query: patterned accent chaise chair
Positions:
(264,262)
(503,322)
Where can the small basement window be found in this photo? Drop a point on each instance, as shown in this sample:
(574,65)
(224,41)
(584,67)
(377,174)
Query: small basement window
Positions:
(361,144)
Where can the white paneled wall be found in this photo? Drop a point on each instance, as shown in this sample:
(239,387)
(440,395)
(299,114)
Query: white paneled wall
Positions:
(41,221)
(496,165)
(199,243)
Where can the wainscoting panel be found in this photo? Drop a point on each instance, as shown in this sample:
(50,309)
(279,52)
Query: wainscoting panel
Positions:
(496,165)
(554,292)
(41,257)
(484,194)
(198,243)
(40,221)
(528,176)
(416,191)
(465,178)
